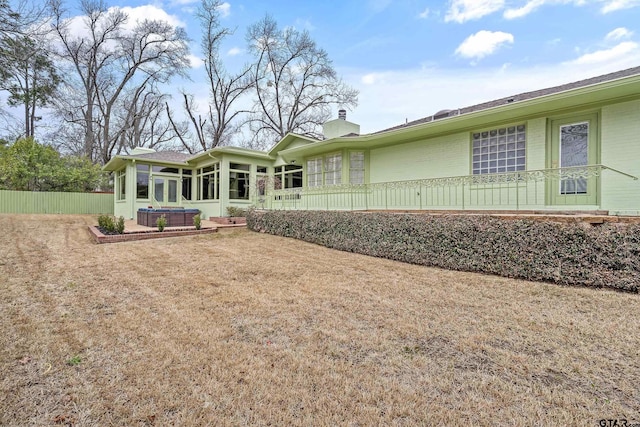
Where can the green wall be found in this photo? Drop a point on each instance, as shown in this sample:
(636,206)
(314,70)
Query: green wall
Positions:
(620,149)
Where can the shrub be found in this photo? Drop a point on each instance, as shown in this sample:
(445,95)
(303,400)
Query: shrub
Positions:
(120,225)
(570,254)
(107,223)
(235,211)
(197,221)
(161,222)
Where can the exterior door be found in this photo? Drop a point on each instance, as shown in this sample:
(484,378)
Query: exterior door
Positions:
(165,190)
(574,143)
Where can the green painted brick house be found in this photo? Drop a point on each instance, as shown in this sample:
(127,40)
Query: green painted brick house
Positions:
(574,147)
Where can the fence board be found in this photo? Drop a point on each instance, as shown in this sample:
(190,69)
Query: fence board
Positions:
(34,202)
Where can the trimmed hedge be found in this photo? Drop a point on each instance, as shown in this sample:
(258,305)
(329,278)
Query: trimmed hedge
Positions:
(569,254)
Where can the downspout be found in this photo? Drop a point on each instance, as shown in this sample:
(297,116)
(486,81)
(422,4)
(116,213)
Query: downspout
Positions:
(134,192)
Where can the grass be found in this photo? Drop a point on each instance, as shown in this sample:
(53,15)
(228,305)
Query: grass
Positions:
(240,328)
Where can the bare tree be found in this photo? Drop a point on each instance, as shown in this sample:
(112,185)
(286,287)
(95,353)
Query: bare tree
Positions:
(146,114)
(295,83)
(218,124)
(111,61)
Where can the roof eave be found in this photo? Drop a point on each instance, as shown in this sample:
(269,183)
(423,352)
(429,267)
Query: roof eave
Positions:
(584,96)
(118,161)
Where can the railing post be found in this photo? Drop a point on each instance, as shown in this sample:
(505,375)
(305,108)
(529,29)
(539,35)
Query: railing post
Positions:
(351,193)
(517,193)
(386,197)
(463,194)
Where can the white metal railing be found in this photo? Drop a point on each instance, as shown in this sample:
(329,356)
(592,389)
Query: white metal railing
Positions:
(516,190)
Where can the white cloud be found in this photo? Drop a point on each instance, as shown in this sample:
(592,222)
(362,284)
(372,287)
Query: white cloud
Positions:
(234,51)
(615,53)
(618,34)
(466,10)
(483,43)
(78,27)
(531,5)
(424,14)
(140,13)
(369,79)
(225,9)
(195,62)
(614,5)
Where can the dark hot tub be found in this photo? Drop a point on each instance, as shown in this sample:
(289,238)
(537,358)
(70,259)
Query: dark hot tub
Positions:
(175,217)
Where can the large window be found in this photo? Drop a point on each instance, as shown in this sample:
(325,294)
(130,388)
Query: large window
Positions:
(121,183)
(289,176)
(314,172)
(238,181)
(208,182)
(333,169)
(142,181)
(499,150)
(325,170)
(356,167)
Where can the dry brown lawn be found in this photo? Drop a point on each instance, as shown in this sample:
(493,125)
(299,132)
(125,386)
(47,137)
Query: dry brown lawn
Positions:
(243,328)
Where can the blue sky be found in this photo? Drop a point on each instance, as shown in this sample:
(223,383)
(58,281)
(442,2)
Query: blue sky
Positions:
(412,58)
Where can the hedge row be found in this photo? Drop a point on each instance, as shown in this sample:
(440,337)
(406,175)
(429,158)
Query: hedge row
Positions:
(569,254)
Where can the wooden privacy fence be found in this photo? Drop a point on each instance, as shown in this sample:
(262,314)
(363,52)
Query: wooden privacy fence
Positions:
(36,202)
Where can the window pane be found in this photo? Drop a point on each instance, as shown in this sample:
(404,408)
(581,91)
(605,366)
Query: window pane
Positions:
(239,166)
(314,172)
(356,168)
(574,140)
(121,182)
(142,185)
(186,188)
(158,189)
(173,191)
(293,179)
(491,148)
(165,169)
(333,169)
(238,185)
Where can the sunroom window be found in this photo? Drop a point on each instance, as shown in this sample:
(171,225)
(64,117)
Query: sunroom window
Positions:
(121,180)
(142,181)
(499,150)
(289,176)
(208,180)
(239,181)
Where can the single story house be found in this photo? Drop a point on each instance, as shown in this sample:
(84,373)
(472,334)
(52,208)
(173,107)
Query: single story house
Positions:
(574,147)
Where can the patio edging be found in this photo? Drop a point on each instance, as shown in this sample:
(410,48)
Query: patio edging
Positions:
(100,237)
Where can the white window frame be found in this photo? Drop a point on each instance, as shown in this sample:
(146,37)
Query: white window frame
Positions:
(499,150)
(359,178)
